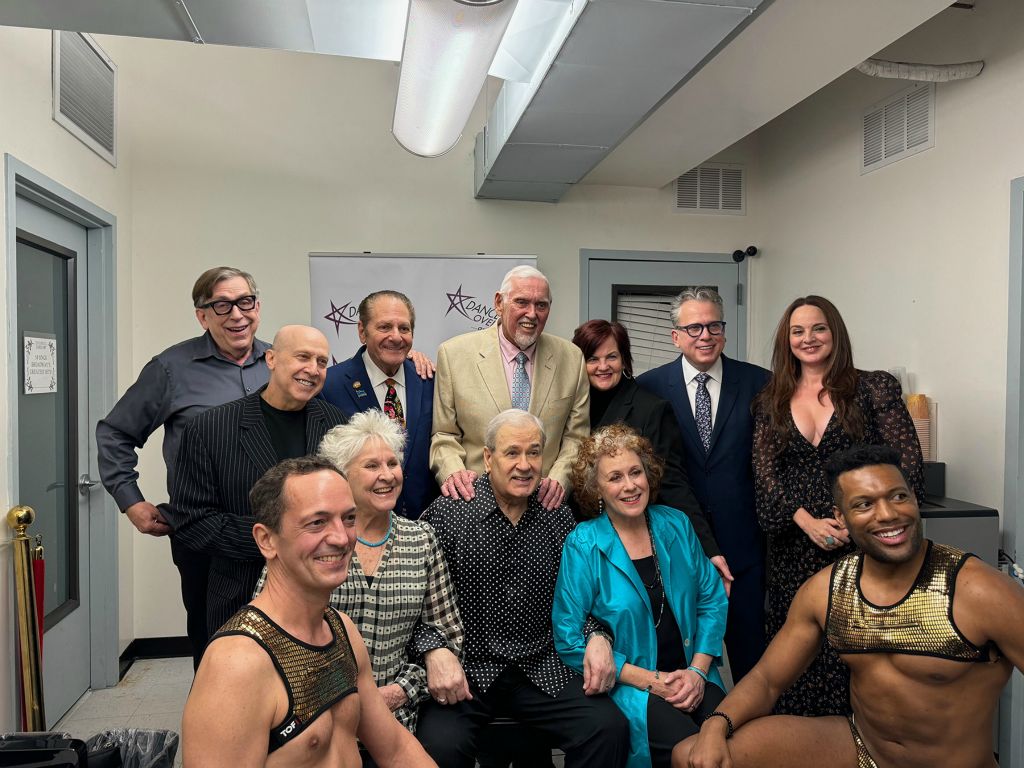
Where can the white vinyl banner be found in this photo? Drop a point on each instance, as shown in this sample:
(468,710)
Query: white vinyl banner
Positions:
(451,294)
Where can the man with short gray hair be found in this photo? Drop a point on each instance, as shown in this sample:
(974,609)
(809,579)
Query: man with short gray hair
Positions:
(225,363)
(512,364)
(503,551)
(711,396)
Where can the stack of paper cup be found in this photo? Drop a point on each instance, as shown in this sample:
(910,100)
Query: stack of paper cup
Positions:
(919,412)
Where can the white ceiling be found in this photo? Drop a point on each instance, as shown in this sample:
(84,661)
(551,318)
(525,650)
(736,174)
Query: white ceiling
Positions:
(788,50)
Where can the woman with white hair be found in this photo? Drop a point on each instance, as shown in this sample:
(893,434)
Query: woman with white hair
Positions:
(398,581)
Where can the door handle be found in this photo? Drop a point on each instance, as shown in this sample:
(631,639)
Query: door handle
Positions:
(86,483)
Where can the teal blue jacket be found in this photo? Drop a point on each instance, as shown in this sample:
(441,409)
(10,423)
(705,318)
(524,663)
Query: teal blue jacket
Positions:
(598,579)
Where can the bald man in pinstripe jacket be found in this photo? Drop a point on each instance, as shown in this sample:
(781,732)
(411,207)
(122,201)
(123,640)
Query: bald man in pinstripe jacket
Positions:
(226,449)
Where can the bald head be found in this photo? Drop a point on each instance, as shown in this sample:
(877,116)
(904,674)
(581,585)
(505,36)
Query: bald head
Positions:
(298,365)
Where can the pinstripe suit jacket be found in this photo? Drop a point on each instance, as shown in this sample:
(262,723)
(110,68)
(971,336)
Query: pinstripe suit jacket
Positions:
(223,452)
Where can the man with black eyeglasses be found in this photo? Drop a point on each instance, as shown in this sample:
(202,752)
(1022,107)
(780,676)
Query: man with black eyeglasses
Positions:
(224,364)
(711,396)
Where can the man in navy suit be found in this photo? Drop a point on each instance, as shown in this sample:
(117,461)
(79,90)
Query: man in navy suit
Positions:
(711,396)
(380,375)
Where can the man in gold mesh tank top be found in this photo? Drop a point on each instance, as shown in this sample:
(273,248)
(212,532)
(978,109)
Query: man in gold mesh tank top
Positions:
(930,634)
(287,680)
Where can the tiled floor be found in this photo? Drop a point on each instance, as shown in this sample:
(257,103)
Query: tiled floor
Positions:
(151,695)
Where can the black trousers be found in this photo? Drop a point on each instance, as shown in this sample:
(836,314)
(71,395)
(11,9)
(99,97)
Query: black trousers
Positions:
(589,729)
(745,637)
(667,726)
(194,568)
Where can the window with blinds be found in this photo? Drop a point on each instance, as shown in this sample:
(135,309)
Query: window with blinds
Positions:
(645,311)
(85,92)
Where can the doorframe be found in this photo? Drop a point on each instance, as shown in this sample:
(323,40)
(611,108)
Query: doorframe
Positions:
(22,180)
(587,255)
(1011,711)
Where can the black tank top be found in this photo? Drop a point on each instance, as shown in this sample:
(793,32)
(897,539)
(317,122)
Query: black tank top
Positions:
(315,677)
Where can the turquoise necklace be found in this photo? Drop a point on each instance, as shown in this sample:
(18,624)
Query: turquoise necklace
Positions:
(382,542)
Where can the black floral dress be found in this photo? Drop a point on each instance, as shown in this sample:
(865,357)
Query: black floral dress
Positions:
(794,478)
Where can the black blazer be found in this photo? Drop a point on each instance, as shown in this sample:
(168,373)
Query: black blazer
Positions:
(223,452)
(348,388)
(653,418)
(723,477)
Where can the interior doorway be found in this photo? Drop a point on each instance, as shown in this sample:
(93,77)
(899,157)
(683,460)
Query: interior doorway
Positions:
(60,298)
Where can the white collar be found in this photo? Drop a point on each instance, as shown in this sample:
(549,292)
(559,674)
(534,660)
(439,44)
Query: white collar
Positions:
(714,372)
(377,376)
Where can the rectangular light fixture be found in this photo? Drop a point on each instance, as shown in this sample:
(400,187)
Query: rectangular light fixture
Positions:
(449,46)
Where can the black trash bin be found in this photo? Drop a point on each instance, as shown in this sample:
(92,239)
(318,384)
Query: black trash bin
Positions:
(132,748)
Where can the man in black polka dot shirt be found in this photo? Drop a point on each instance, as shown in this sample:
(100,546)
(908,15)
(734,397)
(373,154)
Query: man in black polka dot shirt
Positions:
(503,550)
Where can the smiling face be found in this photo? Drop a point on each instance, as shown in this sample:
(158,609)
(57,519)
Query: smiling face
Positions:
(298,365)
(515,463)
(810,338)
(375,475)
(604,367)
(525,311)
(314,543)
(234,332)
(622,485)
(388,334)
(703,351)
(881,513)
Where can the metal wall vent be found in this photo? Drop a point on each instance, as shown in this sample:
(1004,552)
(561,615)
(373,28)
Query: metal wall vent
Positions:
(712,188)
(900,126)
(85,92)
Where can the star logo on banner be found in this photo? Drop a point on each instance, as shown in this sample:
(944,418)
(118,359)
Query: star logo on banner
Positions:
(457,301)
(343,315)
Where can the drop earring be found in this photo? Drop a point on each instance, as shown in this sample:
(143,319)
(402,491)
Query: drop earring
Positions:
(600,506)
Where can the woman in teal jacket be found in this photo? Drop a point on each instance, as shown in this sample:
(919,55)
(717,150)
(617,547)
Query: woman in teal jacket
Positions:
(639,569)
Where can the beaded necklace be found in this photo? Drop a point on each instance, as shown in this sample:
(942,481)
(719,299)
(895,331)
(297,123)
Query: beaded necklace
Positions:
(382,542)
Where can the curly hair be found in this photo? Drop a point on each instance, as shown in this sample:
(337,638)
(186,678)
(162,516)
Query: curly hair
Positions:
(611,441)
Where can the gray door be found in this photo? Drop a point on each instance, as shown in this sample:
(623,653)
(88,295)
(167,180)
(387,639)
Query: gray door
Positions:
(612,275)
(52,437)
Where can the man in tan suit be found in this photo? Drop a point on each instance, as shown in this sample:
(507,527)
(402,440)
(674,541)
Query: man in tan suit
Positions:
(512,364)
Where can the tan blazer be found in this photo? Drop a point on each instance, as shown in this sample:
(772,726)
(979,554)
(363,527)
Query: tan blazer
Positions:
(470,389)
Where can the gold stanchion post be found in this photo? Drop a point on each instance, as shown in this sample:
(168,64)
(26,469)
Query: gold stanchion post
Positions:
(19,519)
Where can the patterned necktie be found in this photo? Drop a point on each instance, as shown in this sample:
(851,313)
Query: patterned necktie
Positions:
(520,384)
(702,409)
(392,405)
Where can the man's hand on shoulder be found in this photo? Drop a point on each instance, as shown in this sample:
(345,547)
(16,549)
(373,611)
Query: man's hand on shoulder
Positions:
(147,519)
(460,484)
(723,570)
(550,494)
(424,365)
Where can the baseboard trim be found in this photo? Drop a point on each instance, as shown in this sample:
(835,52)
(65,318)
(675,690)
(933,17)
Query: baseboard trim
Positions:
(153,648)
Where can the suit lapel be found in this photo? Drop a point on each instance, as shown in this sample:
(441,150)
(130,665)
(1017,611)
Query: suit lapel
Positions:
(357,381)
(543,376)
(253,435)
(678,394)
(726,402)
(316,425)
(492,370)
(620,406)
(413,407)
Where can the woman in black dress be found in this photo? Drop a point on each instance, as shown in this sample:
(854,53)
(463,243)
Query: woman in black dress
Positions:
(615,398)
(817,403)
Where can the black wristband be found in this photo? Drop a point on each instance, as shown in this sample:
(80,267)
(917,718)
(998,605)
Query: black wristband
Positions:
(728,722)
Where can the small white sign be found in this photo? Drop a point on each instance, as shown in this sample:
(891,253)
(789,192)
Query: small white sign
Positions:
(40,363)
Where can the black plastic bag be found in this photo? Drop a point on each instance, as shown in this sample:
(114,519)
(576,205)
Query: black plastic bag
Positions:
(138,748)
(39,749)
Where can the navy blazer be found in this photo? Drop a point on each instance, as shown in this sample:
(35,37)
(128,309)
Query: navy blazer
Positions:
(723,477)
(348,388)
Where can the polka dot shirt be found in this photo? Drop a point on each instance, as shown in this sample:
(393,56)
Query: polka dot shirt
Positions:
(505,580)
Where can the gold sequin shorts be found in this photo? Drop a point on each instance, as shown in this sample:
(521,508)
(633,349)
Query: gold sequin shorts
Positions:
(864,758)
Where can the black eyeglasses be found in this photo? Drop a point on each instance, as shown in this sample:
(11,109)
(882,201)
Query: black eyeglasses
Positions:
(223,306)
(694,330)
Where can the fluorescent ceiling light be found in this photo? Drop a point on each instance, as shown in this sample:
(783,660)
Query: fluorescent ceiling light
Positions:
(449,46)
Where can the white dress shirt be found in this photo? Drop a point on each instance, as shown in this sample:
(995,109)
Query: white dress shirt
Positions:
(380,389)
(714,385)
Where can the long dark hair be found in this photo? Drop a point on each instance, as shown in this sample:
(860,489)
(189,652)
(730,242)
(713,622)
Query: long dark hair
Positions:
(840,381)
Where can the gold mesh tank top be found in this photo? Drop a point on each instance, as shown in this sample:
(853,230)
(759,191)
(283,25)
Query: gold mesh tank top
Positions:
(921,623)
(315,677)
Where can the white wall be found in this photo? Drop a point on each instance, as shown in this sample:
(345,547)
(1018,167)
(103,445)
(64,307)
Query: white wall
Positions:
(255,158)
(914,254)
(28,133)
